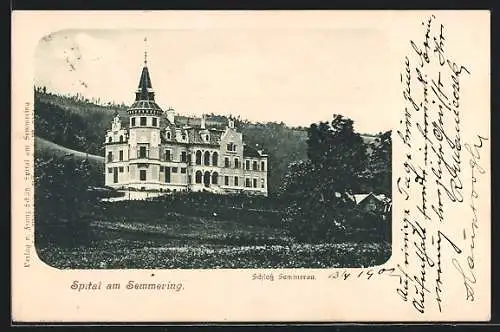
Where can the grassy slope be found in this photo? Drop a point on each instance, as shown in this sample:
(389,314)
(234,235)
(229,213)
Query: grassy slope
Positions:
(47,148)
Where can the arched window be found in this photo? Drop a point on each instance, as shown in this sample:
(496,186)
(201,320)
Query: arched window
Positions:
(121,138)
(198,177)
(168,135)
(198,158)
(215,177)
(215,159)
(206,158)
(110,139)
(206,179)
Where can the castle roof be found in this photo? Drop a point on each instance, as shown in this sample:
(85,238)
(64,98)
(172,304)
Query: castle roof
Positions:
(145,97)
(194,134)
(145,80)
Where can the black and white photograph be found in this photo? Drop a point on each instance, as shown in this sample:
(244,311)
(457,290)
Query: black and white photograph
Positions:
(213,148)
(251,166)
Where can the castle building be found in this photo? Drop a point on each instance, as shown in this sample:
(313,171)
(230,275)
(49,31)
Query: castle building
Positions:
(154,152)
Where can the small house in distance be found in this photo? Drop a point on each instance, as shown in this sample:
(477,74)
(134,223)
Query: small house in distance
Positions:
(379,204)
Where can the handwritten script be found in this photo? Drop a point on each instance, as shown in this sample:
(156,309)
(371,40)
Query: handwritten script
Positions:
(440,172)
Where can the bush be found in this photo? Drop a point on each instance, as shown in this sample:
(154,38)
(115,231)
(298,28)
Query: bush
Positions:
(61,199)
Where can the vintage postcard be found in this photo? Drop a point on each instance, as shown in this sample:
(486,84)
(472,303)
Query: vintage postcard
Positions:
(251,166)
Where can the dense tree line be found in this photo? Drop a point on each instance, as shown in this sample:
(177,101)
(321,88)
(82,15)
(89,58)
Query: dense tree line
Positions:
(283,145)
(62,197)
(319,191)
(68,129)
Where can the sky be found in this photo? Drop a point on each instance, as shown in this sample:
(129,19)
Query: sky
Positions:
(297,76)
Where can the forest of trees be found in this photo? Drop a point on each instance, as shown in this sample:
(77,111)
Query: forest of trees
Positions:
(61,195)
(319,191)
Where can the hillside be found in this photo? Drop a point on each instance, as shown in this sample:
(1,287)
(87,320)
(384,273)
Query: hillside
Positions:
(80,125)
(47,148)
(77,125)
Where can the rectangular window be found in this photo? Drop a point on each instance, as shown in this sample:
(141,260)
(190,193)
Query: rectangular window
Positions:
(162,168)
(226,162)
(183,170)
(262,166)
(236,163)
(247,182)
(255,166)
(255,183)
(183,157)
(133,122)
(121,155)
(231,147)
(127,169)
(167,174)
(262,183)
(247,164)
(155,122)
(110,156)
(142,152)
(121,169)
(167,155)
(142,175)
(174,169)
(143,120)
(236,181)
(110,170)
(226,180)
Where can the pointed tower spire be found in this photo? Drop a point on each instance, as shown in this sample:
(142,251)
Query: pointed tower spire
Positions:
(145,89)
(144,95)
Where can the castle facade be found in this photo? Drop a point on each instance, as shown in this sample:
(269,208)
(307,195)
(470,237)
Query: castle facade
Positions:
(154,152)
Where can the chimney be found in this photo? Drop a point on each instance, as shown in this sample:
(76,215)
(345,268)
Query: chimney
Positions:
(171,115)
(203,121)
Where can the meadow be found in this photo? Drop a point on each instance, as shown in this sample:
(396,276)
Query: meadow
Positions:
(169,235)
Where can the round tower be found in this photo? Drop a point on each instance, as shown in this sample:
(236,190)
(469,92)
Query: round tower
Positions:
(144,135)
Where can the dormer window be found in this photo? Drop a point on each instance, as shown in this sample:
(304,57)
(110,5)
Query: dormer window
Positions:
(169,135)
(206,138)
(110,139)
(231,147)
(183,136)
